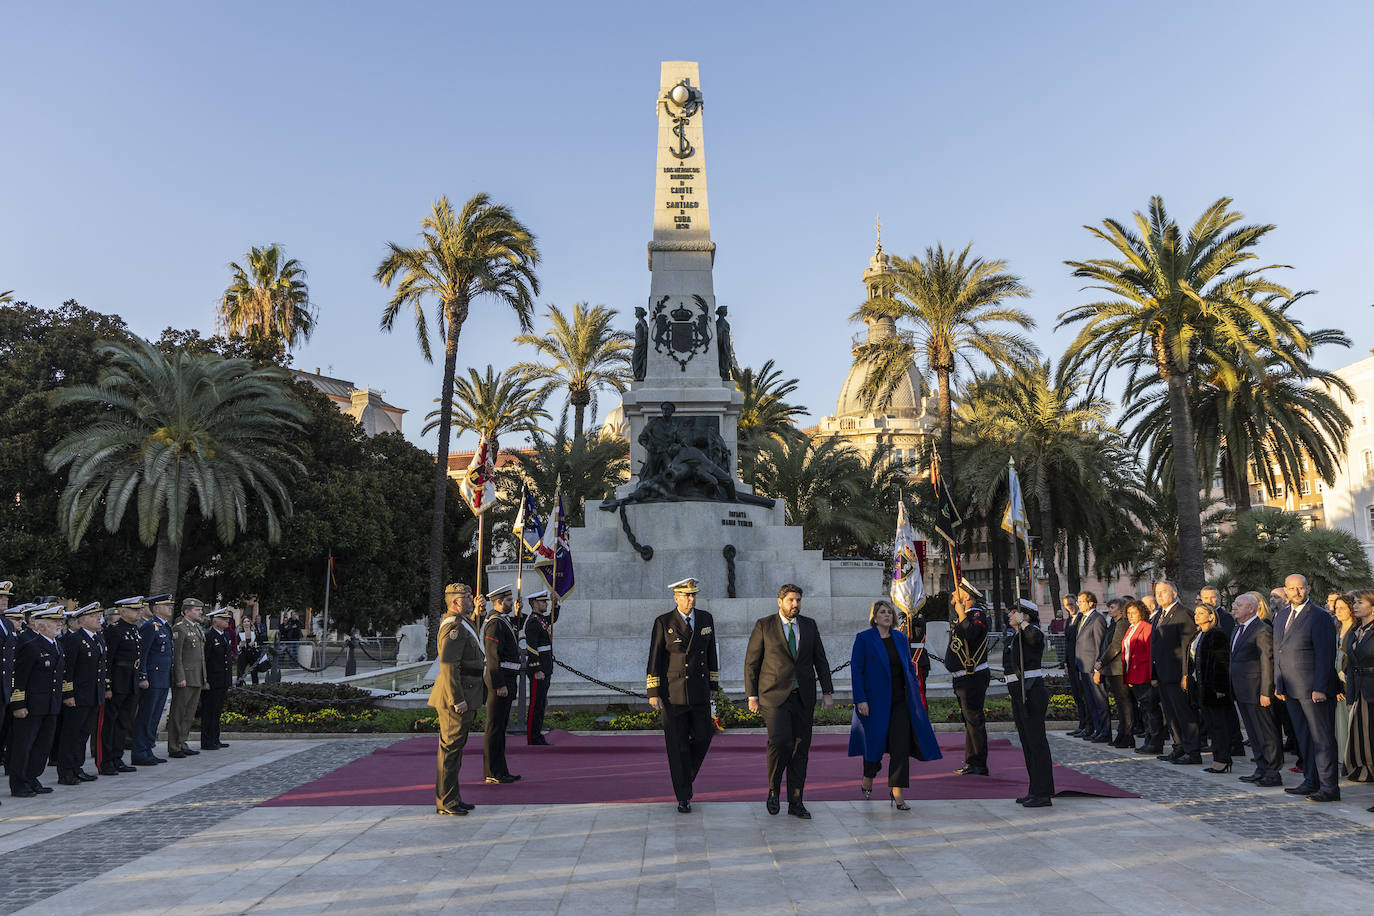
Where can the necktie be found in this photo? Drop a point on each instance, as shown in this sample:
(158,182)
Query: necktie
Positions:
(792,638)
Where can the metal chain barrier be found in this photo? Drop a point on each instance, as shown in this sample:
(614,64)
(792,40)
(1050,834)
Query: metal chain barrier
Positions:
(597,681)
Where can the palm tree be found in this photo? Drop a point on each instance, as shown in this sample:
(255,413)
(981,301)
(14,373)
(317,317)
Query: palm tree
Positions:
(484,251)
(6,296)
(1278,414)
(173,430)
(588,468)
(491,405)
(821,483)
(1169,297)
(268,299)
(765,414)
(587,354)
(954,301)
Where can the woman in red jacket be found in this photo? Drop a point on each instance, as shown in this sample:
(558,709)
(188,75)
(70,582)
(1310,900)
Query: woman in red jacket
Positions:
(1136,671)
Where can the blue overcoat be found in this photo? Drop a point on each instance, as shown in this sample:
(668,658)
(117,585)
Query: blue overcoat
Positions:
(872,683)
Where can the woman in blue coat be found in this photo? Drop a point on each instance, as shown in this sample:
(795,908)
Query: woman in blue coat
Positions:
(889,716)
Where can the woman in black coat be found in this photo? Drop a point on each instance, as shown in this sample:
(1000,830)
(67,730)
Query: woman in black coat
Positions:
(1359,688)
(1208,683)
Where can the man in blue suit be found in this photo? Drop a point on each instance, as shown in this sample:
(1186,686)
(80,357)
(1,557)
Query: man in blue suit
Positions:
(157,663)
(1305,680)
(1092,633)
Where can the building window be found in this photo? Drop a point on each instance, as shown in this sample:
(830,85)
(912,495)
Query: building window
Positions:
(1305,488)
(1363,412)
(1370,512)
(1278,491)
(1304,464)
(1368,461)
(1259,496)
(1321,486)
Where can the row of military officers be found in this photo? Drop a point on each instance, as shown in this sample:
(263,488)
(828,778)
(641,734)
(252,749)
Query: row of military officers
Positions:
(98,680)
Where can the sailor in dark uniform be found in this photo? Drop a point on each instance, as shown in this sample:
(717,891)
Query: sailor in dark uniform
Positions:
(1030,699)
(83,692)
(157,667)
(502,647)
(219,675)
(538,665)
(9,640)
(124,658)
(34,700)
(682,678)
(919,656)
(967,661)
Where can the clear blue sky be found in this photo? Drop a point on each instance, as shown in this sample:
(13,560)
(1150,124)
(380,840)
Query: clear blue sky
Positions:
(147,145)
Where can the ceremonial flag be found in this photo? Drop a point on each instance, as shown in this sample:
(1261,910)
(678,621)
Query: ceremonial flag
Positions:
(908,567)
(1014,520)
(559,573)
(478,483)
(946,517)
(530,530)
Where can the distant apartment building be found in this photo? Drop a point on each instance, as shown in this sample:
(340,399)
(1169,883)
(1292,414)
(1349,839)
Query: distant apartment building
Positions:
(365,405)
(1348,504)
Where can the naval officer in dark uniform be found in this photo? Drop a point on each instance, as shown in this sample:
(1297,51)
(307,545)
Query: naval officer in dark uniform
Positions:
(219,677)
(9,640)
(502,648)
(682,678)
(967,660)
(35,700)
(538,665)
(84,691)
(1030,700)
(124,656)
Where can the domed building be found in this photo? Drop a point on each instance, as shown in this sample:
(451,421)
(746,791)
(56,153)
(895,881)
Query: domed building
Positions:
(909,424)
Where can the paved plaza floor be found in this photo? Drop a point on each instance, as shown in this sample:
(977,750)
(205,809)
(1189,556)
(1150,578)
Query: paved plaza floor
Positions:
(188,837)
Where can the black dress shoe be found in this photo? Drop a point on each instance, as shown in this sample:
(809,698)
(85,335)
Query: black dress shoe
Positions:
(684,807)
(799,810)
(466,807)
(40,789)
(25,792)
(1305,788)
(1269,782)
(186,751)
(1169,758)
(1023,799)
(177,754)
(209,747)
(970,770)
(145,762)
(1124,743)
(1039,802)
(452,812)
(222,744)
(108,771)
(1324,795)
(68,781)
(125,768)
(1149,749)
(509,778)
(773,804)
(1076,733)
(156,759)
(1101,739)
(86,777)
(1188,760)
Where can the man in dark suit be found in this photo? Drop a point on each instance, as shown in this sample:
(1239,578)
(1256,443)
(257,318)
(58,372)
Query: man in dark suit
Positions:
(1071,623)
(681,678)
(1252,682)
(1092,636)
(1305,679)
(784,660)
(124,657)
(1173,631)
(83,693)
(1109,674)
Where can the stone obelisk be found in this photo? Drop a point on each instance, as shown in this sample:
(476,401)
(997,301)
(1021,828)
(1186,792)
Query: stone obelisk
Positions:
(685,362)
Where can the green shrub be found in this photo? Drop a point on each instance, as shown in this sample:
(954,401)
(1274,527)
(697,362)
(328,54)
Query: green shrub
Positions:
(296,698)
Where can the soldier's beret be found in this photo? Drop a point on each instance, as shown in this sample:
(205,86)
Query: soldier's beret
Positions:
(688,586)
(6,587)
(159,599)
(48,612)
(499,592)
(135,602)
(191,602)
(218,612)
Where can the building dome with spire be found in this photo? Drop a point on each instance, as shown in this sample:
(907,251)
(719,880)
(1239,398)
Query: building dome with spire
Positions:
(909,422)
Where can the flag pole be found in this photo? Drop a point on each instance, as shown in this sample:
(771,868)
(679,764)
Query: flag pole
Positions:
(1015,539)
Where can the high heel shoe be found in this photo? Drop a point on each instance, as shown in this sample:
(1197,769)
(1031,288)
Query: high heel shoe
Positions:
(868,793)
(1224,768)
(899,805)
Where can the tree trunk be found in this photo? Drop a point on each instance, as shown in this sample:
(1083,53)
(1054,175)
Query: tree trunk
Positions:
(457,314)
(1190,560)
(1047,539)
(1236,470)
(166,564)
(579,400)
(946,430)
(1071,565)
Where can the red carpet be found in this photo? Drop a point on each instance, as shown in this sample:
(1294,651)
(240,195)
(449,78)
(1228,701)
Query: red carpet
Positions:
(632,768)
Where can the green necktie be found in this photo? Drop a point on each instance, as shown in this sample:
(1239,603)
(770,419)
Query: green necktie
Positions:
(792,638)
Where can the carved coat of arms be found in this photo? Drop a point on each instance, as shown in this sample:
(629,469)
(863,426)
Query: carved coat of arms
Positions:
(682,329)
